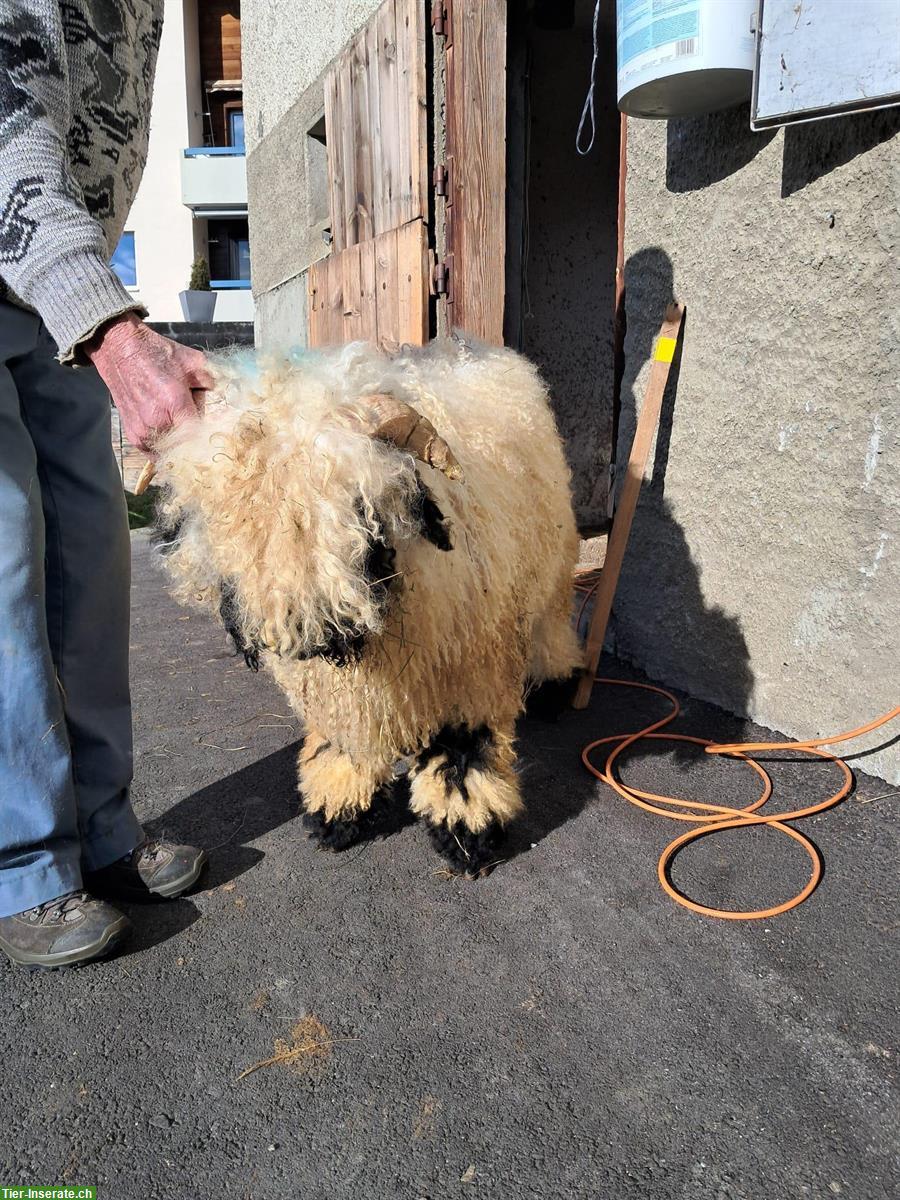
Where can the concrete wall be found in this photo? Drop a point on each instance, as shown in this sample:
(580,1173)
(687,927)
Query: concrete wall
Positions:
(764,565)
(164,229)
(286,47)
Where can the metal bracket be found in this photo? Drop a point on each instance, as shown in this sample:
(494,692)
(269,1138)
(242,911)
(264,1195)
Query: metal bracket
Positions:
(441,180)
(442,19)
(440,278)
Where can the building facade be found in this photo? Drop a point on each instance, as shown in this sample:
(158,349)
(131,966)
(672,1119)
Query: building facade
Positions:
(762,571)
(193,194)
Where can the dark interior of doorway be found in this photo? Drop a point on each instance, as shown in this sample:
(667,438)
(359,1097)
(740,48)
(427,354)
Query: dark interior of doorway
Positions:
(561,228)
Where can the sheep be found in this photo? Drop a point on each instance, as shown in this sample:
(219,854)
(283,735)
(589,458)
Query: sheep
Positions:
(407,588)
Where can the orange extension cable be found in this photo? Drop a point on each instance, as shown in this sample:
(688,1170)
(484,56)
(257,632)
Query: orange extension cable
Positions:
(712,818)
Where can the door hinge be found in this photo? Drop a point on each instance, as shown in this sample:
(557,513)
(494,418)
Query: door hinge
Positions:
(441,180)
(440,278)
(441,16)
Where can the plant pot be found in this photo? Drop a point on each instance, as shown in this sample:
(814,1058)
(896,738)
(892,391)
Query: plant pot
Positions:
(198,307)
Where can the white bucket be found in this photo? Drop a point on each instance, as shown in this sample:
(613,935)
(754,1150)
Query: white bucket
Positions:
(680,58)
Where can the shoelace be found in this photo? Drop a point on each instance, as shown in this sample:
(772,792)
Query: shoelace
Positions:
(150,850)
(57,909)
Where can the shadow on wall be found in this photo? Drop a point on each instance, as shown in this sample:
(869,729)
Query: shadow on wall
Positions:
(661,620)
(702,151)
(814,149)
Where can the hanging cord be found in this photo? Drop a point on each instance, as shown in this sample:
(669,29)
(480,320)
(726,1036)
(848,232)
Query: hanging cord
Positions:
(587,113)
(712,818)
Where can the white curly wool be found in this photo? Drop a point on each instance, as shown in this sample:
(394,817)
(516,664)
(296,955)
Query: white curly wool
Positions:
(279,501)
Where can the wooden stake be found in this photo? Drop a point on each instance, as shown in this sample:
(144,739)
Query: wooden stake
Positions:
(631,489)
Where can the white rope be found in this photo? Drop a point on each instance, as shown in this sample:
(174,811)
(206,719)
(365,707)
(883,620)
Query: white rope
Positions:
(587,113)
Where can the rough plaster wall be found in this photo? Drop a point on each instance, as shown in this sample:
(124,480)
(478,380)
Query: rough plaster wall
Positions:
(285,44)
(285,47)
(762,571)
(281,316)
(567,313)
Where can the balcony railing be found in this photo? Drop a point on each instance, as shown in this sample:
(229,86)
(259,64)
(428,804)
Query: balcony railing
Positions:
(219,285)
(214,180)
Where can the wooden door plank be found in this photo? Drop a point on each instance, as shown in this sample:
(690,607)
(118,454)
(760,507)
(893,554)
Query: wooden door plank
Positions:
(373,87)
(362,136)
(386,38)
(348,152)
(476,130)
(386,286)
(367,305)
(351,291)
(412,285)
(335,163)
(325,291)
(418,120)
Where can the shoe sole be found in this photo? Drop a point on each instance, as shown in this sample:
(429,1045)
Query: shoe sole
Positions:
(109,941)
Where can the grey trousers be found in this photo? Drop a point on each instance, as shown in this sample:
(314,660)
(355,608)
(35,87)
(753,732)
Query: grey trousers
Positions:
(65,711)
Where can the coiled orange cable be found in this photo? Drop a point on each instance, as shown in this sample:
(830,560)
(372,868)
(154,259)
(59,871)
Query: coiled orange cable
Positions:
(712,818)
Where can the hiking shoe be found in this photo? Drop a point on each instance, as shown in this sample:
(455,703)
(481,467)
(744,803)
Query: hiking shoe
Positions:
(64,932)
(152,870)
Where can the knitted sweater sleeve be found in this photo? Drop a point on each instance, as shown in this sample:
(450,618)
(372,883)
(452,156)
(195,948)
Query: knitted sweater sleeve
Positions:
(53,254)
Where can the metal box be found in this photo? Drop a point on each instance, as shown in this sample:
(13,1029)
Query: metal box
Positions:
(823,58)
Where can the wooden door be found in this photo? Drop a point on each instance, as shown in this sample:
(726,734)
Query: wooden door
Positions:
(374,284)
(475,49)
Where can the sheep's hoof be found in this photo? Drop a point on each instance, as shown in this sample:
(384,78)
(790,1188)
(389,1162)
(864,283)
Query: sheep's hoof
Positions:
(385,815)
(331,835)
(473,855)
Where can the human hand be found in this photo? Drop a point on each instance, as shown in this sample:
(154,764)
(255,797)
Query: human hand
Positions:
(154,382)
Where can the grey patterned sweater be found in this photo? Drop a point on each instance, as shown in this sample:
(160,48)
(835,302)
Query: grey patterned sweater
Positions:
(76,78)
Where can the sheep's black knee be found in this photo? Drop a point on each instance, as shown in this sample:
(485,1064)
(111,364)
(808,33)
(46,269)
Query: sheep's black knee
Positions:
(468,853)
(550,699)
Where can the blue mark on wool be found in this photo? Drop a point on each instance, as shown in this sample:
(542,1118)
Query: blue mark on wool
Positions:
(246,363)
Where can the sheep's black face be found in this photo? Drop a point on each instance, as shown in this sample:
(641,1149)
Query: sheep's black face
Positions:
(342,646)
(343,642)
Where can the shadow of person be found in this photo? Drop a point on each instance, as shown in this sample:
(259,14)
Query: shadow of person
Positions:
(662,620)
(233,812)
(662,623)
(156,923)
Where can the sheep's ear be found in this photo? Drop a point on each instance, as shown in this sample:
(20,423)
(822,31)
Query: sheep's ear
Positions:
(228,611)
(432,523)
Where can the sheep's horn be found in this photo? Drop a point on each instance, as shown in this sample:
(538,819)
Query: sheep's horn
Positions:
(387,419)
(145,477)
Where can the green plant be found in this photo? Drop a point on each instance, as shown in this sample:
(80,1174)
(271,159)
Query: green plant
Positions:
(199,275)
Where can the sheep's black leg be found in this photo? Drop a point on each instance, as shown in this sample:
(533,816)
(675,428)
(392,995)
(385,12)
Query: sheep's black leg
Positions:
(465,787)
(468,853)
(548,700)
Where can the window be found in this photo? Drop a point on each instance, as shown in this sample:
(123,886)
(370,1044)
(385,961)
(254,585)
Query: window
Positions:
(229,252)
(236,128)
(123,263)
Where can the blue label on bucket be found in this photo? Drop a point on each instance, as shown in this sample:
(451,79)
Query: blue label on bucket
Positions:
(643,26)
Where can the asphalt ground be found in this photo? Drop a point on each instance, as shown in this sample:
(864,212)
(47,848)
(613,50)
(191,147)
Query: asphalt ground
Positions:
(560,1029)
